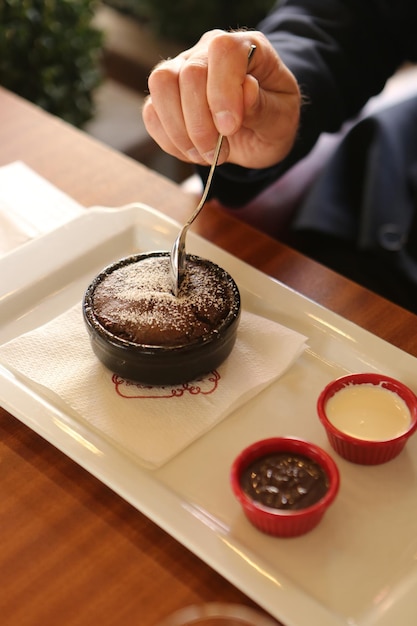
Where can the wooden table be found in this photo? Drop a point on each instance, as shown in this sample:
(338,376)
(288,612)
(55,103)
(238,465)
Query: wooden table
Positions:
(73,552)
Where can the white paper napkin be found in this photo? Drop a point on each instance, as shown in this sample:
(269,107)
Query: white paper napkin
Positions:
(152,423)
(30,206)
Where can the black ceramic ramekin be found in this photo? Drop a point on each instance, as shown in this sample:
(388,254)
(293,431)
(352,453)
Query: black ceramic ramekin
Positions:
(158,364)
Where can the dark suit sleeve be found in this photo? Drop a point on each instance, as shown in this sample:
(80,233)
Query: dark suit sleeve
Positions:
(341,53)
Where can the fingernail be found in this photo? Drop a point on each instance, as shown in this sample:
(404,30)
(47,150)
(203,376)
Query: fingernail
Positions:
(225,122)
(209,156)
(194,155)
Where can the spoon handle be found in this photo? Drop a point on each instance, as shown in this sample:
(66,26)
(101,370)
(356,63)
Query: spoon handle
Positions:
(213,164)
(178,253)
(208,182)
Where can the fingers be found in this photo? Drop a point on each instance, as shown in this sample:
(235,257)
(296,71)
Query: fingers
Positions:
(178,114)
(198,119)
(162,112)
(157,132)
(209,89)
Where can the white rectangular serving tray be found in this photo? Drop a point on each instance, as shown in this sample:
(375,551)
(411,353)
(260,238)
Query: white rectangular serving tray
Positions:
(359,567)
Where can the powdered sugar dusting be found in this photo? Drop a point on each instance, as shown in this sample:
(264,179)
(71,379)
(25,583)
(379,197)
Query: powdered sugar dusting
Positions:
(135,302)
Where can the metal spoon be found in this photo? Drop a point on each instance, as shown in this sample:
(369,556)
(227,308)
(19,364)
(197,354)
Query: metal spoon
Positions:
(178,255)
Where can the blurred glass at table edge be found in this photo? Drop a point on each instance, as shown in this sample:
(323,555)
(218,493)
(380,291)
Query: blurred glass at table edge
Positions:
(217,614)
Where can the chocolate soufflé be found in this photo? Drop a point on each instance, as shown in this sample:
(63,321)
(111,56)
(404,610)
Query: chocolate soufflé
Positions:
(142,332)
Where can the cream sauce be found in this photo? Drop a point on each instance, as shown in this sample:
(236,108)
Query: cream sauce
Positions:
(368,412)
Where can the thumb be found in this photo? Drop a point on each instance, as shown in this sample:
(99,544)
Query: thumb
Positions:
(226,122)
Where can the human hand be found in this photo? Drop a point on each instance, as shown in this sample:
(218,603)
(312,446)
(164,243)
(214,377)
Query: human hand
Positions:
(209,89)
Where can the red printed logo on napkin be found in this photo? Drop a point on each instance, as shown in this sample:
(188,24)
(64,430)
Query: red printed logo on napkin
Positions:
(201,386)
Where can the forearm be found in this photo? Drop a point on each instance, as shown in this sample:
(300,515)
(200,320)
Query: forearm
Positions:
(341,53)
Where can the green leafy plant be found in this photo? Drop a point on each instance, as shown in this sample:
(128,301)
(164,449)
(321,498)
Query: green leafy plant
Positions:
(50,54)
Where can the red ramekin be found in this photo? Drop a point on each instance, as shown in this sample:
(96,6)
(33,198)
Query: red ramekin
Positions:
(364,451)
(281,522)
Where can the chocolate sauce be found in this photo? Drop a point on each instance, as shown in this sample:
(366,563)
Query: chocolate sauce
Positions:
(285,480)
